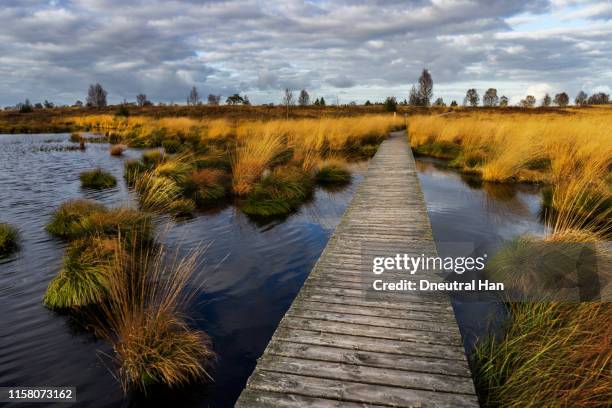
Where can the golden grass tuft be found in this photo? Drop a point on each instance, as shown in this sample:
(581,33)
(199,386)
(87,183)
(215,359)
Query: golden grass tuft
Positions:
(144,320)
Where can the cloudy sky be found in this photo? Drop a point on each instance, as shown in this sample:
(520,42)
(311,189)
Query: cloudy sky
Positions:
(344,49)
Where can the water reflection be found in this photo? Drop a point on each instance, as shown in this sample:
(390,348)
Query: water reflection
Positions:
(252,272)
(470,217)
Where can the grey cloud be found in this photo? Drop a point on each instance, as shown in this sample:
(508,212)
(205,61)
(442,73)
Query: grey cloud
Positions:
(163,48)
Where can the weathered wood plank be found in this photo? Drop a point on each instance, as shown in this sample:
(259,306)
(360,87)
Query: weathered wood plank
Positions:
(355,391)
(342,344)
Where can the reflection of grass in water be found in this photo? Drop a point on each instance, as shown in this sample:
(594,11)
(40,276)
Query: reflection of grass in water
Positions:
(551,354)
(9,237)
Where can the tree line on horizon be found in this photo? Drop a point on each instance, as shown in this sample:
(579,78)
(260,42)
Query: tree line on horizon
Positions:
(421,94)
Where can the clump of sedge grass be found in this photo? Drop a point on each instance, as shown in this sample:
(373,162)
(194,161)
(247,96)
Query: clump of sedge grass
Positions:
(117,150)
(97,179)
(171,145)
(132,169)
(76,137)
(81,218)
(66,221)
(85,273)
(332,173)
(152,158)
(279,193)
(550,354)
(253,155)
(206,186)
(144,321)
(9,237)
(156,193)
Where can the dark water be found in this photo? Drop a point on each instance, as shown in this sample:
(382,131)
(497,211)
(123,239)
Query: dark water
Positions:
(251,275)
(472,218)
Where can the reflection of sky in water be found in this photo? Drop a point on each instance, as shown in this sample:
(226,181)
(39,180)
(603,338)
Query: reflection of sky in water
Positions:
(250,274)
(469,217)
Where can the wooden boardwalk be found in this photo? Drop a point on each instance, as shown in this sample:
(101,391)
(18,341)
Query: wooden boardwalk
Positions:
(340,344)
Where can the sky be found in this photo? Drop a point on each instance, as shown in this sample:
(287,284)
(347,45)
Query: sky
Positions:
(343,50)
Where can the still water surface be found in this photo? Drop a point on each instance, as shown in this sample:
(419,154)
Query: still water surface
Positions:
(252,272)
(472,218)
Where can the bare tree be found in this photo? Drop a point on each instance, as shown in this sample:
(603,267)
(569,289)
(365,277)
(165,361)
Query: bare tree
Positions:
(194,97)
(245,100)
(214,99)
(287,100)
(96,96)
(425,92)
(471,98)
(561,99)
(413,98)
(141,100)
(490,98)
(547,100)
(304,98)
(503,101)
(581,98)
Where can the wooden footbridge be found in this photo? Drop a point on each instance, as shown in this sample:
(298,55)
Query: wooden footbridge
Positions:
(341,344)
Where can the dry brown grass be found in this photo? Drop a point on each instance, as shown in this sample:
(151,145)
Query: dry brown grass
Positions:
(145,321)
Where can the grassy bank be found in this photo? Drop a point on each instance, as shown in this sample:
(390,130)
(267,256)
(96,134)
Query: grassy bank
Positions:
(570,152)
(549,353)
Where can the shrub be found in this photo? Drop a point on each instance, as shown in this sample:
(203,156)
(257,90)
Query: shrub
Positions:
(84,276)
(279,193)
(97,179)
(9,237)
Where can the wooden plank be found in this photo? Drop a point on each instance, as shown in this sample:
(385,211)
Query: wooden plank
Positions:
(342,344)
(354,342)
(356,392)
(367,358)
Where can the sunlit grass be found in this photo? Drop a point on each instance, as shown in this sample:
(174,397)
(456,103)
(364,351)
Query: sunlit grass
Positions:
(551,354)
(144,319)
(97,179)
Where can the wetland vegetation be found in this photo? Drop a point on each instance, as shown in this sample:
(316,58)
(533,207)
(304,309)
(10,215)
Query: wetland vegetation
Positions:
(561,343)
